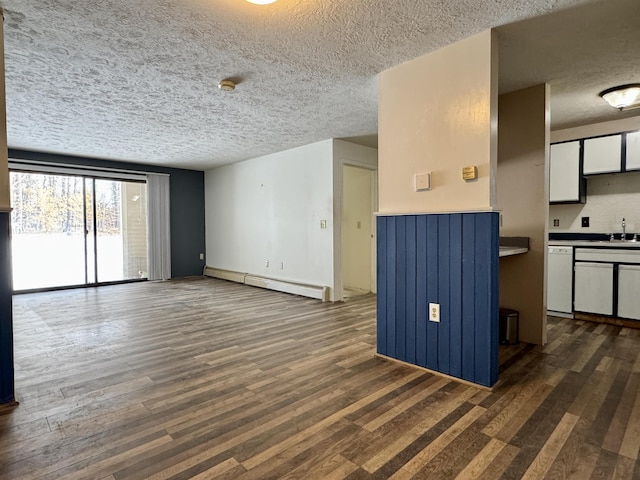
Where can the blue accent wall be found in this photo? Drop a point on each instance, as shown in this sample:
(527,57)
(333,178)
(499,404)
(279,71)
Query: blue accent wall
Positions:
(450,259)
(186,207)
(6,322)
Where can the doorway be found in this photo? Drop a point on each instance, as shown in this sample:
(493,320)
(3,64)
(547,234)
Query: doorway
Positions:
(358,249)
(72,230)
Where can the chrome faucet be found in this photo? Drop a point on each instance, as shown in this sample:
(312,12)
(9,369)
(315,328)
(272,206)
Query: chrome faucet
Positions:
(624,230)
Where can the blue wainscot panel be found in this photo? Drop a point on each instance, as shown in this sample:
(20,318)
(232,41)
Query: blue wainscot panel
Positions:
(450,259)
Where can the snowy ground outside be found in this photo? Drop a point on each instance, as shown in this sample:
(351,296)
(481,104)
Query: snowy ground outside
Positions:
(54,260)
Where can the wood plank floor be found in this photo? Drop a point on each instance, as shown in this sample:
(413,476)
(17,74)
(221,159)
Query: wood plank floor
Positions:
(205,379)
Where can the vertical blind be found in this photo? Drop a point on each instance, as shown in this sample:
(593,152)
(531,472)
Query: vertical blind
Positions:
(158,218)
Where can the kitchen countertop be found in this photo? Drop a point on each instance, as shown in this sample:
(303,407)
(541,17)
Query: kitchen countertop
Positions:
(508,251)
(595,243)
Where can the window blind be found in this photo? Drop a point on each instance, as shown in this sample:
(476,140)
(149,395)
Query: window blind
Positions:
(158,218)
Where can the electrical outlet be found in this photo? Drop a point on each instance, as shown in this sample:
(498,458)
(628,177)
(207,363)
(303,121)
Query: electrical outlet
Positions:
(202,256)
(585,221)
(281,265)
(266,263)
(434,312)
(556,222)
(323,224)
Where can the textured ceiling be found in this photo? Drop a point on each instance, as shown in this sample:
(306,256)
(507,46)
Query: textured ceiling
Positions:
(579,52)
(136,81)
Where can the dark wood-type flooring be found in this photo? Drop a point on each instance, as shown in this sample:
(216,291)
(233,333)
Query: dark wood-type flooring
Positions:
(206,379)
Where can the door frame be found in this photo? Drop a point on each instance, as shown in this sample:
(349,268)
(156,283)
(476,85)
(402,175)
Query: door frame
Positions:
(88,179)
(338,185)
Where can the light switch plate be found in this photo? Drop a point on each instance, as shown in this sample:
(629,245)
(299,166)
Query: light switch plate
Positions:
(422,182)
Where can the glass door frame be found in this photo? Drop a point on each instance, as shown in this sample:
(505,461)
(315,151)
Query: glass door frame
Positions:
(86,176)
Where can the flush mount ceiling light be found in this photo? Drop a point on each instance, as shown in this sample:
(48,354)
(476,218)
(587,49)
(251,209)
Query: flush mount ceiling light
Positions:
(261,2)
(624,97)
(227,85)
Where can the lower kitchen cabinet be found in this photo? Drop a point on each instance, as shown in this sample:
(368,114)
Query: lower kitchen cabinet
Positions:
(629,291)
(593,288)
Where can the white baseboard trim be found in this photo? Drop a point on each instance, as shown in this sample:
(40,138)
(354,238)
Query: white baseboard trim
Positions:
(305,290)
(559,314)
(224,274)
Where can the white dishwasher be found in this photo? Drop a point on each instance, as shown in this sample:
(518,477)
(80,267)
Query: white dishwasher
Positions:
(559,279)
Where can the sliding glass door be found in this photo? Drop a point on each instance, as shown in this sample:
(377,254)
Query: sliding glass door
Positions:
(121,230)
(47,230)
(76,230)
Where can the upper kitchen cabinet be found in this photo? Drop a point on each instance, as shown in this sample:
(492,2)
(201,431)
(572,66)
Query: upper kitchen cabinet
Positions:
(566,184)
(603,155)
(633,151)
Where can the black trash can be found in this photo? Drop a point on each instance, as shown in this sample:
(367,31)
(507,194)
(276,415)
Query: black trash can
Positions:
(508,331)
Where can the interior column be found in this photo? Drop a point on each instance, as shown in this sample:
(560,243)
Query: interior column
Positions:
(522,180)
(438,241)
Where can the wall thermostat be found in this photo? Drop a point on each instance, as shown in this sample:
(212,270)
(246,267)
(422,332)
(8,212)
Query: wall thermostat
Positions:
(470,173)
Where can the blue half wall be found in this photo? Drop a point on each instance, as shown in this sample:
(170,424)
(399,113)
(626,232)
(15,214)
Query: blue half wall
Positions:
(452,260)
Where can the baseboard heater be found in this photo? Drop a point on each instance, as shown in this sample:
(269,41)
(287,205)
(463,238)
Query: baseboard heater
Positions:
(305,290)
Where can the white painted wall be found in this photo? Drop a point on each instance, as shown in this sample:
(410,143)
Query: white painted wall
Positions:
(438,114)
(595,129)
(269,209)
(356,227)
(353,154)
(610,198)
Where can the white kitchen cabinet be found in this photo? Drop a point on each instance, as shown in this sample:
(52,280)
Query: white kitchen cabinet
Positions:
(593,283)
(633,151)
(610,255)
(629,291)
(565,182)
(602,155)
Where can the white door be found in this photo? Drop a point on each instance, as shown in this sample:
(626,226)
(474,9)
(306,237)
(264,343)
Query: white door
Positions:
(357,227)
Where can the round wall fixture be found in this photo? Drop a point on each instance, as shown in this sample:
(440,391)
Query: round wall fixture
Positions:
(227,85)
